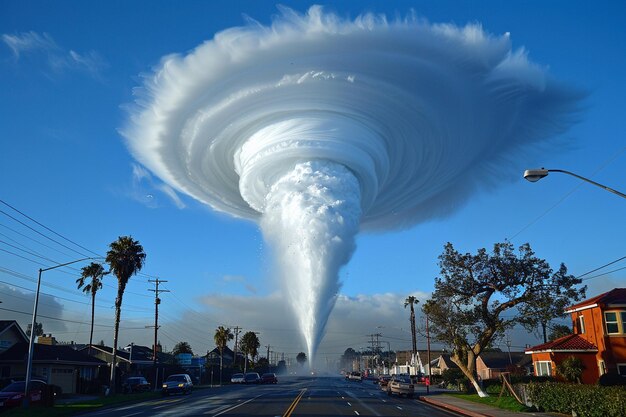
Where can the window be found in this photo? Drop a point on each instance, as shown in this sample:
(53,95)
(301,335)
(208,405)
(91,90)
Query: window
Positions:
(602,367)
(543,368)
(581,320)
(621,369)
(615,322)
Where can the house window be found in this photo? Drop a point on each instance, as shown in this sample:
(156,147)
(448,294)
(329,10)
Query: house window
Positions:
(543,368)
(602,367)
(615,322)
(621,369)
(581,320)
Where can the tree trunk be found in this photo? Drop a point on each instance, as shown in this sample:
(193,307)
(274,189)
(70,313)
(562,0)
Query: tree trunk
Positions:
(118,311)
(93,307)
(221,364)
(469,370)
(544,326)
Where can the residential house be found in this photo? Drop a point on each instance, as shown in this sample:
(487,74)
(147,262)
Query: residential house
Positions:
(441,363)
(598,339)
(63,366)
(10,334)
(491,364)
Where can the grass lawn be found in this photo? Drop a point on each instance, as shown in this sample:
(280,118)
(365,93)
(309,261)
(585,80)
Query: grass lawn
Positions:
(506,402)
(61,410)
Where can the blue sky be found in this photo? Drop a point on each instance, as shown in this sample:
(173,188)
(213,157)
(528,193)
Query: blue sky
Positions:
(67,73)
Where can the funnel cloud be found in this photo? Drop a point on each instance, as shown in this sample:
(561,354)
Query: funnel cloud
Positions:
(318,127)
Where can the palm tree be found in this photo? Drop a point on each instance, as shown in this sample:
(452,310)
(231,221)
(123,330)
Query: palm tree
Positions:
(410,301)
(125,257)
(96,273)
(249,346)
(221,337)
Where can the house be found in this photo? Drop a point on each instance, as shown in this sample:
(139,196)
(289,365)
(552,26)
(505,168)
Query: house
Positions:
(491,364)
(59,365)
(213,357)
(441,363)
(10,334)
(598,339)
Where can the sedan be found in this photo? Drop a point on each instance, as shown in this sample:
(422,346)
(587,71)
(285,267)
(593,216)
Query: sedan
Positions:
(252,378)
(401,385)
(179,383)
(13,394)
(269,378)
(237,379)
(135,384)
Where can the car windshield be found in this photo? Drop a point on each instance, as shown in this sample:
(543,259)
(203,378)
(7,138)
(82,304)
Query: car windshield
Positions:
(177,378)
(15,387)
(404,379)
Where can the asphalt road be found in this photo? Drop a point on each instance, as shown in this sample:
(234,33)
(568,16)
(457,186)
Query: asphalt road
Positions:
(292,396)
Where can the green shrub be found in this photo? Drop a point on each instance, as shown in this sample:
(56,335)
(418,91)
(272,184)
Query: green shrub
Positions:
(585,400)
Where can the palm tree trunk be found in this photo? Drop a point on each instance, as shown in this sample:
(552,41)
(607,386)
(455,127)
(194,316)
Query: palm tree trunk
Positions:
(118,311)
(93,306)
(221,363)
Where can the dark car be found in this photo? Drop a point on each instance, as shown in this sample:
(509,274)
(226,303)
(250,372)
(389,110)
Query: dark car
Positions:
(13,394)
(251,378)
(383,380)
(135,384)
(269,378)
(177,384)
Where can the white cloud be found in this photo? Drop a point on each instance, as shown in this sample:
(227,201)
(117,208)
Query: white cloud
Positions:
(144,188)
(57,59)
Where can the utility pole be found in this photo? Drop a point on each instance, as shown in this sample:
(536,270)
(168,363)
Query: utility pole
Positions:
(428,347)
(269,364)
(237,329)
(157,301)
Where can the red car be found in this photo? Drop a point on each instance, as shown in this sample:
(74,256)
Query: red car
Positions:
(269,378)
(13,394)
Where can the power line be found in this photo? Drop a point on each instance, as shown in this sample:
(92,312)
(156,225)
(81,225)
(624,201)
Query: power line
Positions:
(601,267)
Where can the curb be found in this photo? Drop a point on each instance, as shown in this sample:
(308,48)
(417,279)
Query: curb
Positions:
(451,407)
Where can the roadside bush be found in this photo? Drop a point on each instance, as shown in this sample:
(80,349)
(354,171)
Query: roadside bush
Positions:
(453,378)
(611,379)
(584,400)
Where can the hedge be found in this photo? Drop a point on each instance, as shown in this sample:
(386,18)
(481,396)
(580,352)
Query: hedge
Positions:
(584,400)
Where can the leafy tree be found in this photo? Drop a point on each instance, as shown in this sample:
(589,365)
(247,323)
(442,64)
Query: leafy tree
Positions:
(301,358)
(91,281)
(571,368)
(250,346)
(411,301)
(545,308)
(38,329)
(181,347)
(222,336)
(474,291)
(454,377)
(101,342)
(559,330)
(125,258)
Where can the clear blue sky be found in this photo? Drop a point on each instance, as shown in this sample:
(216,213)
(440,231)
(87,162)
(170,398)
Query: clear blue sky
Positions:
(63,163)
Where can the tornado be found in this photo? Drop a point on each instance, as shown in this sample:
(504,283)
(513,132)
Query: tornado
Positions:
(319,127)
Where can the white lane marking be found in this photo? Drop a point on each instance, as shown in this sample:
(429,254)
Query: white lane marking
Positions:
(398,407)
(349,404)
(343,398)
(356,412)
(384,401)
(233,407)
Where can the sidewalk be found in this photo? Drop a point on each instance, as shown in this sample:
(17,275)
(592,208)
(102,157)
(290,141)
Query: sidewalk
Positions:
(472,409)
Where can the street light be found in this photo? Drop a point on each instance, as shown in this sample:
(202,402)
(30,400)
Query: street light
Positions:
(534,175)
(29,363)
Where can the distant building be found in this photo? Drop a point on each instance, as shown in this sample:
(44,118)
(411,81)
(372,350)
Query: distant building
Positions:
(46,339)
(598,340)
(490,365)
(10,334)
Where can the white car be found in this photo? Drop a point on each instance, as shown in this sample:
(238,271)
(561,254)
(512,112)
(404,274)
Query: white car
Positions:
(237,379)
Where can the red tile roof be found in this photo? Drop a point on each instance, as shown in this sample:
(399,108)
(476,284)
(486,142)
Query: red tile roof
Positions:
(565,343)
(615,296)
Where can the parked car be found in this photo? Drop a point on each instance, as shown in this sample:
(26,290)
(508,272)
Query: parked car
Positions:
(401,385)
(179,383)
(269,378)
(355,376)
(383,380)
(135,384)
(252,378)
(13,394)
(237,379)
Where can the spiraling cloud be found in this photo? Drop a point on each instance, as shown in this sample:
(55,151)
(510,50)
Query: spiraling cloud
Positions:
(319,126)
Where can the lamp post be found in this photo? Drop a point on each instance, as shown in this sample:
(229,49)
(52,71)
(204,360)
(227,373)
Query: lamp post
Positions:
(29,363)
(534,175)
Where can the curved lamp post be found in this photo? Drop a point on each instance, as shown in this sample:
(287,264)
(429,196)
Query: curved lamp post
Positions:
(29,363)
(534,175)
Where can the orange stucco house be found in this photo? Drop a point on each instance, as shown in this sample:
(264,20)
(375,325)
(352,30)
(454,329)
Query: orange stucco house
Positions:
(599,338)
